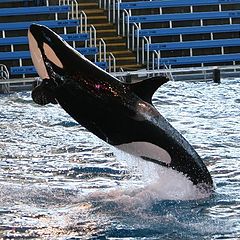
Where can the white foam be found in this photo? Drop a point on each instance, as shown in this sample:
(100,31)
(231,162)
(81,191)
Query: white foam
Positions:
(157,182)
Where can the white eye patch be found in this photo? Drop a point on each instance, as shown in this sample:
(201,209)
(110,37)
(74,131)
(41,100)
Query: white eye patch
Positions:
(37,58)
(50,54)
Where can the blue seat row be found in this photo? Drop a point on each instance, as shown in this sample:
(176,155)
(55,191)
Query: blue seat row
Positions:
(182,17)
(168,46)
(21,70)
(24,40)
(135,28)
(12,26)
(193,44)
(34,10)
(173,3)
(211,29)
(198,59)
(11,1)
(159,18)
(187,30)
(48,23)
(26,54)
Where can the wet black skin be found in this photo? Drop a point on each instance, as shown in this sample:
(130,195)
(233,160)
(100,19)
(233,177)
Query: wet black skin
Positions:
(115,112)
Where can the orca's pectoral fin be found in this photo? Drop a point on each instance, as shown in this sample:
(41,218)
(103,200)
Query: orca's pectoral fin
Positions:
(42,95)
(146,88)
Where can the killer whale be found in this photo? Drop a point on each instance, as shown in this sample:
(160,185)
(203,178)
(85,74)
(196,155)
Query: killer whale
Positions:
(120,114)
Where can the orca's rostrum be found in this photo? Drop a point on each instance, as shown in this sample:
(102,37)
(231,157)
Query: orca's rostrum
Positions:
(118,113)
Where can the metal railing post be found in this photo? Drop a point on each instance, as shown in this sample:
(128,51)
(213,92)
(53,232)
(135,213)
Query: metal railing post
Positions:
(118,16)
(92,37)
(114,11)
(83,17)
(148,41)
(102,44)
(4,75)
(110,58)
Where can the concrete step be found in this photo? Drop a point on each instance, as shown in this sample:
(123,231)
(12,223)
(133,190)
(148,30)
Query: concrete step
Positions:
(94,12)
(102,25)
(97,18)
(130,67)
(107,31)
(122,53)
(125,60)
(112,39)
(111,47)
(87,5)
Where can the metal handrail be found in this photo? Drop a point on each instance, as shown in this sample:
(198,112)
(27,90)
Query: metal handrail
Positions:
(148,41)
(118,15)
(74,7)
(109,6)
(121,77)
(138,27)
(110,59)
(83,17)
(102,44)
(134,25)
(92,36)
(128,14)
(4,73)
(114,11)
(104,4)
(169,73)
(153,59)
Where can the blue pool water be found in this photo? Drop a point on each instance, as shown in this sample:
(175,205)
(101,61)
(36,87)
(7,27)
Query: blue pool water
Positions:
(58,181)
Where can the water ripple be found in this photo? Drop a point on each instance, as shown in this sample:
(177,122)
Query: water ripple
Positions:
(58,181)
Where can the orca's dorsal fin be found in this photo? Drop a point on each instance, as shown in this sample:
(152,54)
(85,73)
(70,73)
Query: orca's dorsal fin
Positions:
(146,88)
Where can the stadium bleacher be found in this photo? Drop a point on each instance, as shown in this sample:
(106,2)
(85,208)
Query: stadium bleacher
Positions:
(166,33)
(13,41)
(176,29)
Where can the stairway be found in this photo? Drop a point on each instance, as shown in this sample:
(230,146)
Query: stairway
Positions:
(115,44)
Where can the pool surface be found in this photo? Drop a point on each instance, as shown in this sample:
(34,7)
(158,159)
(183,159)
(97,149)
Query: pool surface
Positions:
(58,181)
